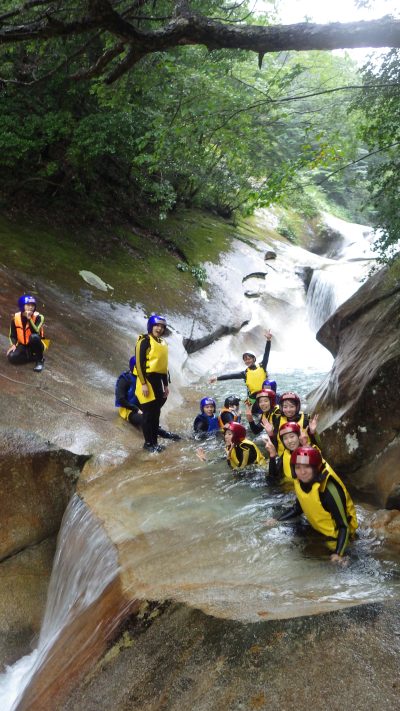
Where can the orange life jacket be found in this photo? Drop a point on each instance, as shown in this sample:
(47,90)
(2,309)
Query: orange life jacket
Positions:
(24,334)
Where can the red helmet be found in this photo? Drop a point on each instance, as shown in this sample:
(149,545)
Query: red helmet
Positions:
(306,455)
(291,396)
(238,432)
(268,392)
(289,427)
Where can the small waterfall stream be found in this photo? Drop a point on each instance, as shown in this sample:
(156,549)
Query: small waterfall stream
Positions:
(84,565)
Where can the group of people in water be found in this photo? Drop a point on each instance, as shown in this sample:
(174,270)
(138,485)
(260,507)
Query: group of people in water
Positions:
(292,449)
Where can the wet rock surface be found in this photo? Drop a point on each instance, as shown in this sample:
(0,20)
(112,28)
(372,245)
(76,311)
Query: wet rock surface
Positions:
(37,480)
(358,401)
(187,661)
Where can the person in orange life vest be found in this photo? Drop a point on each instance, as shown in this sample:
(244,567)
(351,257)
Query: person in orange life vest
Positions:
(254,374)
(289,404)
(270,414)
(230,411)
(291,437)
(240,452)
(152,390)
(324,500)
(26,334)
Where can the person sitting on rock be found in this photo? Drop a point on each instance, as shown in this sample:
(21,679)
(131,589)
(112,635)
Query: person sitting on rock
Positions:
(27,334)
(324,500)
(206,422)
(230,411)
(254,374)
(290,405)
(128,404)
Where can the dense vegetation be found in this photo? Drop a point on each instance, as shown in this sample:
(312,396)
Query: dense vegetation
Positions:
(193,127)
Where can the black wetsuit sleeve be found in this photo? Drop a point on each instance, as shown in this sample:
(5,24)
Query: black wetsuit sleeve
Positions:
(140,352)
(36,325)
(275,469)
(200,424)
(121,392)
(255,427)
(333,499)
(293,512)
(233,376)
(265,358)
(13,333)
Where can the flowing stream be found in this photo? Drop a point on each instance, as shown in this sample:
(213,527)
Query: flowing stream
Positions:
(190,530)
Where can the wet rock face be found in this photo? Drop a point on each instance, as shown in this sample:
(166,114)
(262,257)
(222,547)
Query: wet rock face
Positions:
(359,400)
(37,481)
(188,661)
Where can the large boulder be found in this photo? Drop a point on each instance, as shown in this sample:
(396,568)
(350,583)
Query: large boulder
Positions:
(358,401)
(37,481)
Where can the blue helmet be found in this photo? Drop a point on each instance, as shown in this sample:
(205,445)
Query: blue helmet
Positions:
(269,384)
(207,401)
(132,363)
(26,299)
(154,320)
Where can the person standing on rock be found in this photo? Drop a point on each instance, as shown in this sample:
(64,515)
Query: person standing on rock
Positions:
(26,334)
(324,500)
(254,374)
(152,390)
(128,404)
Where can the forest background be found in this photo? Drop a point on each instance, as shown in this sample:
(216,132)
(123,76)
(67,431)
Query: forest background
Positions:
(218,129)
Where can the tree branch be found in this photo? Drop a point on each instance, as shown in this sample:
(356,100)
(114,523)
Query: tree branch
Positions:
(188,28)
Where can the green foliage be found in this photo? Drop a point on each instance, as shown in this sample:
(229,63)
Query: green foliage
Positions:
(197,271)
(188,127)
(380,129)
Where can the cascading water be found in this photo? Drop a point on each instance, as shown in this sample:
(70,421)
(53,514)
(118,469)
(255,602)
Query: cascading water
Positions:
(85,564)
(336,280)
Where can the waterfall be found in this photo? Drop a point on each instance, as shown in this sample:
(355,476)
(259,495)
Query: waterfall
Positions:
(85,564)
(338,279)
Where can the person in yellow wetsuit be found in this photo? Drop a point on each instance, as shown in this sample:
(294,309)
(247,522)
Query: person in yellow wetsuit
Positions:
(254,373)
(291,437)
(240,452)
(324,500)
(152,382)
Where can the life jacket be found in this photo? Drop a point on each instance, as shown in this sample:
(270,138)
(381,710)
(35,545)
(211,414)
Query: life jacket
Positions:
(156,362)
(302,420)
(130,394)
(254,378)
(233,458)
(236,418)
(156,355)
(24,334)
(318,517)
(273,417)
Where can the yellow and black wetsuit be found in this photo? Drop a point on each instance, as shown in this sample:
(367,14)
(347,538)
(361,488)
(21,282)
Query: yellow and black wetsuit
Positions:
(253,376)
(328,507)
(245,453)
(151,369)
